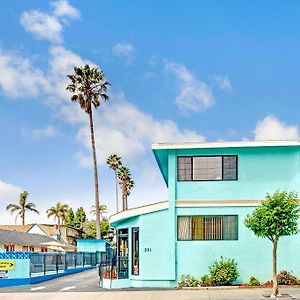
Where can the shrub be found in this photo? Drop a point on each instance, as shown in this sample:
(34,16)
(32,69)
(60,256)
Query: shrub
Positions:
(205,280)
(254,281)
(188,281)
(223,272)
(287,278)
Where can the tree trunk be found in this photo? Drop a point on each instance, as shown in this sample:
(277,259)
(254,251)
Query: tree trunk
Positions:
(117,198)
(58,228)
(23,216)
(124,195)
(275,285)
(97,201)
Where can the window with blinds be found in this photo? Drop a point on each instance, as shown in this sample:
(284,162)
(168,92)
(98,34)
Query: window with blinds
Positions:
(207,228)
(195,168)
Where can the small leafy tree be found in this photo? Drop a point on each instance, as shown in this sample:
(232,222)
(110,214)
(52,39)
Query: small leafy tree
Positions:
(80,217)
(276,217)
(89,229)
(70,218)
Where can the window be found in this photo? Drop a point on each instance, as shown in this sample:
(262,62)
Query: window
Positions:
(31,249)
(207,168)
(25,249)
(185,168)
(207,228)
(9,248)
(135,251)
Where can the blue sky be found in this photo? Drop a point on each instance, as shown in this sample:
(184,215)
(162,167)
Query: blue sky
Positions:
(209,70)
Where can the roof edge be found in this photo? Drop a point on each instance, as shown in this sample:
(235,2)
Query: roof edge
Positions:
(141,210)
(235,144)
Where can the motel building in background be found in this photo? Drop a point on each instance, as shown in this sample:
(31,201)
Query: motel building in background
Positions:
(211,189)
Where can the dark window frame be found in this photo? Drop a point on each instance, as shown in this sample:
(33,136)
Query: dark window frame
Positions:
(206,240)
(125,258)
(138,251)
(192,161)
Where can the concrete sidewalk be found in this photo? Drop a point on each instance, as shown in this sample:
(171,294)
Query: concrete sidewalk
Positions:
(209,294)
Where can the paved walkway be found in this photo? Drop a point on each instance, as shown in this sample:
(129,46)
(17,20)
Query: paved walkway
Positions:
(146,295)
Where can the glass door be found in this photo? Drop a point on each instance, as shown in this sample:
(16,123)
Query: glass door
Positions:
(122,253)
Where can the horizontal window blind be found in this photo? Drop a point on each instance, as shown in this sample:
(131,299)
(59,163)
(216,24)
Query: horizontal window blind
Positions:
(207,228)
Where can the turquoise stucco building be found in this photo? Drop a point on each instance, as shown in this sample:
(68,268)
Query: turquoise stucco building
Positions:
(90,245)
(211,189)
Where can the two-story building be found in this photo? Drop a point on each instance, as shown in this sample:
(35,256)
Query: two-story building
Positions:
(211,189)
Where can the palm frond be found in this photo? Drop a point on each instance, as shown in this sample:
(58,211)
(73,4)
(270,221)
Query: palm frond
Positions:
(31,207)
(114,161)
(88,86)
(13,208)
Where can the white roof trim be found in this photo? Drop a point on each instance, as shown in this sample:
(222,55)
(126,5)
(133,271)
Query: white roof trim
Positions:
(138,211)
(192,145)
(214,203)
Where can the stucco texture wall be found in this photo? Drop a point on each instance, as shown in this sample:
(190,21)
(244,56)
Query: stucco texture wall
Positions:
(91,245)
(253,254)
(260,170)
(156,261)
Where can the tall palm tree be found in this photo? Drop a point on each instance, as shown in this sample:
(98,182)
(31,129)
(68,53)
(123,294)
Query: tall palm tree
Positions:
(126,183)
(59,212)
(89,88)
(114,162)
(22,207)
(102,209)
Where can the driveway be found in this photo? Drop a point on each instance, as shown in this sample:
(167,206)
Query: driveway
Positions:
(85,281)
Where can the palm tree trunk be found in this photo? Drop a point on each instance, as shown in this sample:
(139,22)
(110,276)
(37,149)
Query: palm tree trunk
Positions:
(97,201)
(23,216)
(117,197)
(275,285)
(58,228)
(123,195)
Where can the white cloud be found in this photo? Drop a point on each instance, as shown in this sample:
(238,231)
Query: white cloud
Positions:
(271,128)
(194,95)
(42,25)
(61,63)
(40,133)
(124,50)
(8,194)
(19,77)
(121,127)
(222,82)
(115,129)
(48,26)
(62,8)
